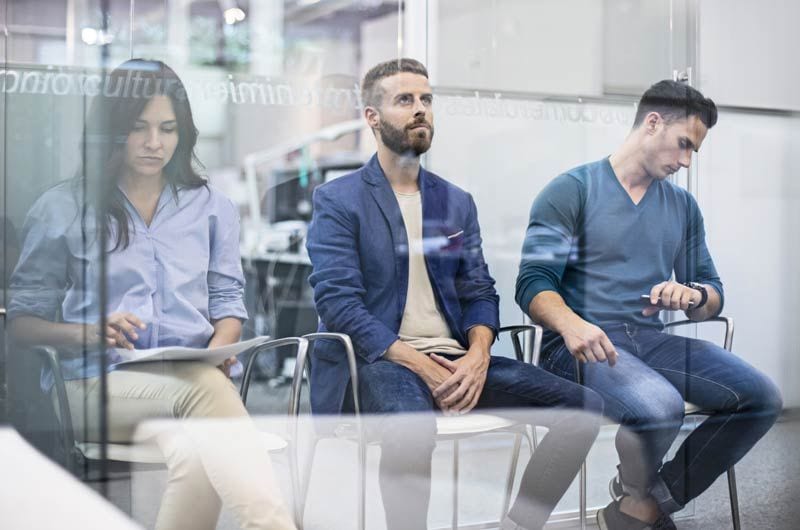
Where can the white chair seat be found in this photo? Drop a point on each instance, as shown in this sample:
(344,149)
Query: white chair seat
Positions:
(690,408)
(470,424)
(149,453)
(140,454)
(446,426)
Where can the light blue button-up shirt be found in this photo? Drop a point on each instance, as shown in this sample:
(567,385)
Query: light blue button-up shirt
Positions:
(178,274)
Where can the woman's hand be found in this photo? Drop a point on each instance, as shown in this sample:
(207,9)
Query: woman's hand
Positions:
(121,330)
(226,366)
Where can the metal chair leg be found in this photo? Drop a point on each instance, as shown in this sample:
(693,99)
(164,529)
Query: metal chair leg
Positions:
(293,478)
(582,473)
(454,520)
(362,483)
(305,484)
(582,496)
(734,498)
(512,474)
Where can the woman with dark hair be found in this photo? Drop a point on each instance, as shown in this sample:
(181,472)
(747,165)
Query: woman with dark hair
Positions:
(173,278)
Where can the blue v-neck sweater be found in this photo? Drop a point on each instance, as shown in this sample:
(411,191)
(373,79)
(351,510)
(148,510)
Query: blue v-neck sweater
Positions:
(589,242)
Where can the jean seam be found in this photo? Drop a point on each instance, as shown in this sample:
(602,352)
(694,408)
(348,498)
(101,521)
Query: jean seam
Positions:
(694,376)
(721,427)
(519,395)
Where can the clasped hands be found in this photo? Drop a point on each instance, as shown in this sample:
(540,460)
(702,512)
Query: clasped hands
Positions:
(457,385)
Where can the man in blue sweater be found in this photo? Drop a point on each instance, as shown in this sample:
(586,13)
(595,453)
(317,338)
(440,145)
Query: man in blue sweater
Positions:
(600,237)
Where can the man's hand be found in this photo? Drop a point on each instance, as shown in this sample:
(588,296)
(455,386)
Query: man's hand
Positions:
(432,373)
(121,330)
(460,392)
(588,343)
(673,296)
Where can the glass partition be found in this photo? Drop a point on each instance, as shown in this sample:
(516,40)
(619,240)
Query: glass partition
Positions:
(524,90)
(52,257)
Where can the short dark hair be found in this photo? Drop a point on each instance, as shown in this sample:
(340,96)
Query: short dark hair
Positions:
(674,101)
(371,92)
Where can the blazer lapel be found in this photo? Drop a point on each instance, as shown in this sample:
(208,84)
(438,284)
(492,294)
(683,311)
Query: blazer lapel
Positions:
(434,215)
(382,192)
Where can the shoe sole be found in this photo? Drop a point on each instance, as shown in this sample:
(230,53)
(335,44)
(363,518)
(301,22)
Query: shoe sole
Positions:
(611,490)
(601,520)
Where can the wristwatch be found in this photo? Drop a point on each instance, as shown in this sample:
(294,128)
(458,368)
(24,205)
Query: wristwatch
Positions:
(703,293)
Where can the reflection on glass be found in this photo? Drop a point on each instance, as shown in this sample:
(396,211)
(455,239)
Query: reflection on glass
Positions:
(173,278)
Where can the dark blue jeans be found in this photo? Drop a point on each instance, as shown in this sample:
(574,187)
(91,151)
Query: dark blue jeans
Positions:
(645,392)
(406,429)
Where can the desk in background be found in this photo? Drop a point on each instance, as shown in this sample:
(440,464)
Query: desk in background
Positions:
(279,299)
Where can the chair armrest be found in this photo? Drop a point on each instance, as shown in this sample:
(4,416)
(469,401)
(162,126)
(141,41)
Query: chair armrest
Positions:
(302,349)
(728,321)
(533,344)
(351,364)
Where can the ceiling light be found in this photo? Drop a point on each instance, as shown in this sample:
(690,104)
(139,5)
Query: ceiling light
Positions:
(89,36)
(233,15)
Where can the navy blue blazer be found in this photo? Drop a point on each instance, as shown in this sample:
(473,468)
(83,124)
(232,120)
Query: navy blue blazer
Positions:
(358,246)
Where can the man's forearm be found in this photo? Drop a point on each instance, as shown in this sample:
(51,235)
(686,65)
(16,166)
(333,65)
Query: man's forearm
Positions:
(549,309)
(481,337)
(405,355)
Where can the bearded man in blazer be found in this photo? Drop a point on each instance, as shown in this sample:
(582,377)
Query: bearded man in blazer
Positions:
(398,266)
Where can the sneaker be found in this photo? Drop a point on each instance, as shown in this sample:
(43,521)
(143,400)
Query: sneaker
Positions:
(615,488)
(612,518)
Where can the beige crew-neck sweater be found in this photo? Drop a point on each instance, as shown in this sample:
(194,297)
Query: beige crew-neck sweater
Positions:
(423,326)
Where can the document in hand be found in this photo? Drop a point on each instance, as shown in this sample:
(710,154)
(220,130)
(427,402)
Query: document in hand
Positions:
(213,356)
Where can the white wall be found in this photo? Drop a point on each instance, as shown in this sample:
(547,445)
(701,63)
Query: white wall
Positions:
(750,195)
(505,159)
(748,52)
(521,45)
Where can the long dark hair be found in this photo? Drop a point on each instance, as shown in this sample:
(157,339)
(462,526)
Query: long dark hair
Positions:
(112,116)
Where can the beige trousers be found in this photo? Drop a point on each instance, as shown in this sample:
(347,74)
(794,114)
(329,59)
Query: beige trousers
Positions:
(210,463)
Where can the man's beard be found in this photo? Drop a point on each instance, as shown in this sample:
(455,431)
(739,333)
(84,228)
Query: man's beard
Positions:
(397,140)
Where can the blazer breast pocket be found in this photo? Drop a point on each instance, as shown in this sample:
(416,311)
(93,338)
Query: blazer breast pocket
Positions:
(451,248)
(453,241)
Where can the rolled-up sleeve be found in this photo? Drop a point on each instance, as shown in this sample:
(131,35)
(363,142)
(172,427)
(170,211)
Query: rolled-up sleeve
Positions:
(40,277)
(225,276)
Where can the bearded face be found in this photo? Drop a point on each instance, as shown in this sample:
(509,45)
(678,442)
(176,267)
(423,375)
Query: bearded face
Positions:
(411,139)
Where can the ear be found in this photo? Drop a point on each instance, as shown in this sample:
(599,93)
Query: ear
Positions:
(652,122)
(372,116)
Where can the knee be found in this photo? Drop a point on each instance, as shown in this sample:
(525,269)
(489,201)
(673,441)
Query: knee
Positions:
(593,402)
(183,460)
(762,396)
(207,392)
(660,407)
